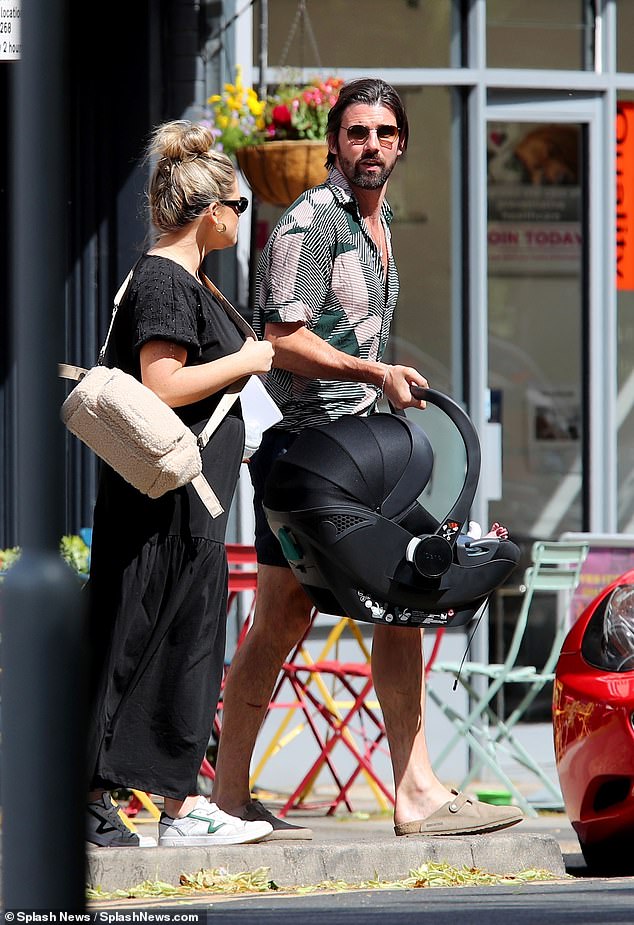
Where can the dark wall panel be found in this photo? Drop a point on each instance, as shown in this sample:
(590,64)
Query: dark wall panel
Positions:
(129,71)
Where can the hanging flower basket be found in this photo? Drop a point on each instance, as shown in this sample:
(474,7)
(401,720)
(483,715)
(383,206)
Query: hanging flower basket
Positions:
(279,171)
(279,140)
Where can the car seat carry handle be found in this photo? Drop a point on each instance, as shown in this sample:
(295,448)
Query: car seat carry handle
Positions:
(458,515)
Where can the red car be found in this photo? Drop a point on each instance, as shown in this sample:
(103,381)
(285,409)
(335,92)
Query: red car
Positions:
(593,721)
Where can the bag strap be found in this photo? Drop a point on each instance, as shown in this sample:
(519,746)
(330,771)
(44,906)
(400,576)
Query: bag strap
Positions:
(116,302)
(235,388)
(66,370)
(207,495)
(233,313)
(220,411)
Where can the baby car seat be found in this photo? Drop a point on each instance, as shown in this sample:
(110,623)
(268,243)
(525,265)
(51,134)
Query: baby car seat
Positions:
(343,503)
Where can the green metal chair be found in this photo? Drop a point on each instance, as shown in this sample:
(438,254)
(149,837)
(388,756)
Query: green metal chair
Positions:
(556,568)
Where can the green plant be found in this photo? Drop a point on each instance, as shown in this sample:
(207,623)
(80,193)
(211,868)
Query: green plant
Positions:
(72,549)
(8,557)
(76,553)
(239,117)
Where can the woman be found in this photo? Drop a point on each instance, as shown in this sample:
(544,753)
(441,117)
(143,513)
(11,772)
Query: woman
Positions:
(158,581)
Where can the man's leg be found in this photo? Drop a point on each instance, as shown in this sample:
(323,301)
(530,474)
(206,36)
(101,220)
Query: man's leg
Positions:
(282,614)
(399,681)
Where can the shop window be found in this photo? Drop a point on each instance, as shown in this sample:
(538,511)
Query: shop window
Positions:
(535,311)
(540,34)
(624,45)
(420,194)
(358,33)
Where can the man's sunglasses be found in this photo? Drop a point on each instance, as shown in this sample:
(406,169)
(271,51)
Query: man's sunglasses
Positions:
(238,205)
(359,134)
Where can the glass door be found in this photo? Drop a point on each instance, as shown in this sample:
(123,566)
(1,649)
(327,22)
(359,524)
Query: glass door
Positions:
(548,259)
(539,286)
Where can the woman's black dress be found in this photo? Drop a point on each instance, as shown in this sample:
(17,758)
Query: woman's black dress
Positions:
(158,577)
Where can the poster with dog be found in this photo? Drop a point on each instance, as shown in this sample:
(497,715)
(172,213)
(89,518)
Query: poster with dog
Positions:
(534,198)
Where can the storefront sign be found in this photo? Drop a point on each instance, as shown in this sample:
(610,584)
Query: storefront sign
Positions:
(9,31)
(625,196)
(533,199)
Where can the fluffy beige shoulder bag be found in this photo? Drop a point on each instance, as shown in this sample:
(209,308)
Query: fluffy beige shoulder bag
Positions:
(135,432)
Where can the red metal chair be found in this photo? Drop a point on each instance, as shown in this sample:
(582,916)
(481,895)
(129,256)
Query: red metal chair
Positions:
(243,578)
(339,718)
(333,699)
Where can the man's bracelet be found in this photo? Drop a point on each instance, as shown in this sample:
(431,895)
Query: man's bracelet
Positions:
(379,393)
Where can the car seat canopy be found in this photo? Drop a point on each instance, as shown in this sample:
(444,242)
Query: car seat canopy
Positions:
(381,462)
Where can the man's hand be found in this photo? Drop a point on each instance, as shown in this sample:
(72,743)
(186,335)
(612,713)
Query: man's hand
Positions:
(397,387)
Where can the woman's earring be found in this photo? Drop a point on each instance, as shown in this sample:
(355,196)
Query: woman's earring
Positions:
(221,227)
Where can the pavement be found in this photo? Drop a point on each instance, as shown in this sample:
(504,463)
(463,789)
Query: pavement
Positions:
(349,847)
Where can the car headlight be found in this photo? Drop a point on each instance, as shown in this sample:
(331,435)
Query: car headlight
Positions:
(608,641)
(618,629)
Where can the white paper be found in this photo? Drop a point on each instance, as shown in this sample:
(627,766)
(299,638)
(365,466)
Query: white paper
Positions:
(257,404)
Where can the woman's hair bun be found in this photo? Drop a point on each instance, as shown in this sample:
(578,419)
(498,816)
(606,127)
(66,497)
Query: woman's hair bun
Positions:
(181,141)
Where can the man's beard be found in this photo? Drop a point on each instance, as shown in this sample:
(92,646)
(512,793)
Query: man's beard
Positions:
(372,180)
(358,177)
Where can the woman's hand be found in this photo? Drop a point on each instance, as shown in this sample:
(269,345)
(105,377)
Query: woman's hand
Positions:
(257,355)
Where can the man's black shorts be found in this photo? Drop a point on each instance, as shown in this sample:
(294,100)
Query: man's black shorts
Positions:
(274,443)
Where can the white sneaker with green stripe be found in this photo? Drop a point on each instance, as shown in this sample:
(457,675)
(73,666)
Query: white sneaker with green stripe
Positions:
(207,825)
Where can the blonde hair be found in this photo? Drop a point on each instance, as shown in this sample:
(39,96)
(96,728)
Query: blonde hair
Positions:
(188,174)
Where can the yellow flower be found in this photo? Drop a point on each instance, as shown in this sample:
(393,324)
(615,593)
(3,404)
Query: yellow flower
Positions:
(256,106)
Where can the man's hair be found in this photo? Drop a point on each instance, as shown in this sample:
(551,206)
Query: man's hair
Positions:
(373,92)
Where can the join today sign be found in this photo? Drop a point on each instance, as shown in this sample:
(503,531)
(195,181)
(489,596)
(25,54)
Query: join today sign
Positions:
(534,199)
(9,31)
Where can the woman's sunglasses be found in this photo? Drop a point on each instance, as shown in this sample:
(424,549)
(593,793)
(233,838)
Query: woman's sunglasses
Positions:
(238,205)
(359,134)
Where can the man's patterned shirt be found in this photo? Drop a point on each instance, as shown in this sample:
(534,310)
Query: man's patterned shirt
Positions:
(321,267)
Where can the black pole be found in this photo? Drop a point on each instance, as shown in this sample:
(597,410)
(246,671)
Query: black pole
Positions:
(263,63)
(43,785)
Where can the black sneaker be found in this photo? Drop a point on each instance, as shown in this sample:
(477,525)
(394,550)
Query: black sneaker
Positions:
(106,829)
(255,811)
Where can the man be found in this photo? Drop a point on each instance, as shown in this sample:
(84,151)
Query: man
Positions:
(327,288)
